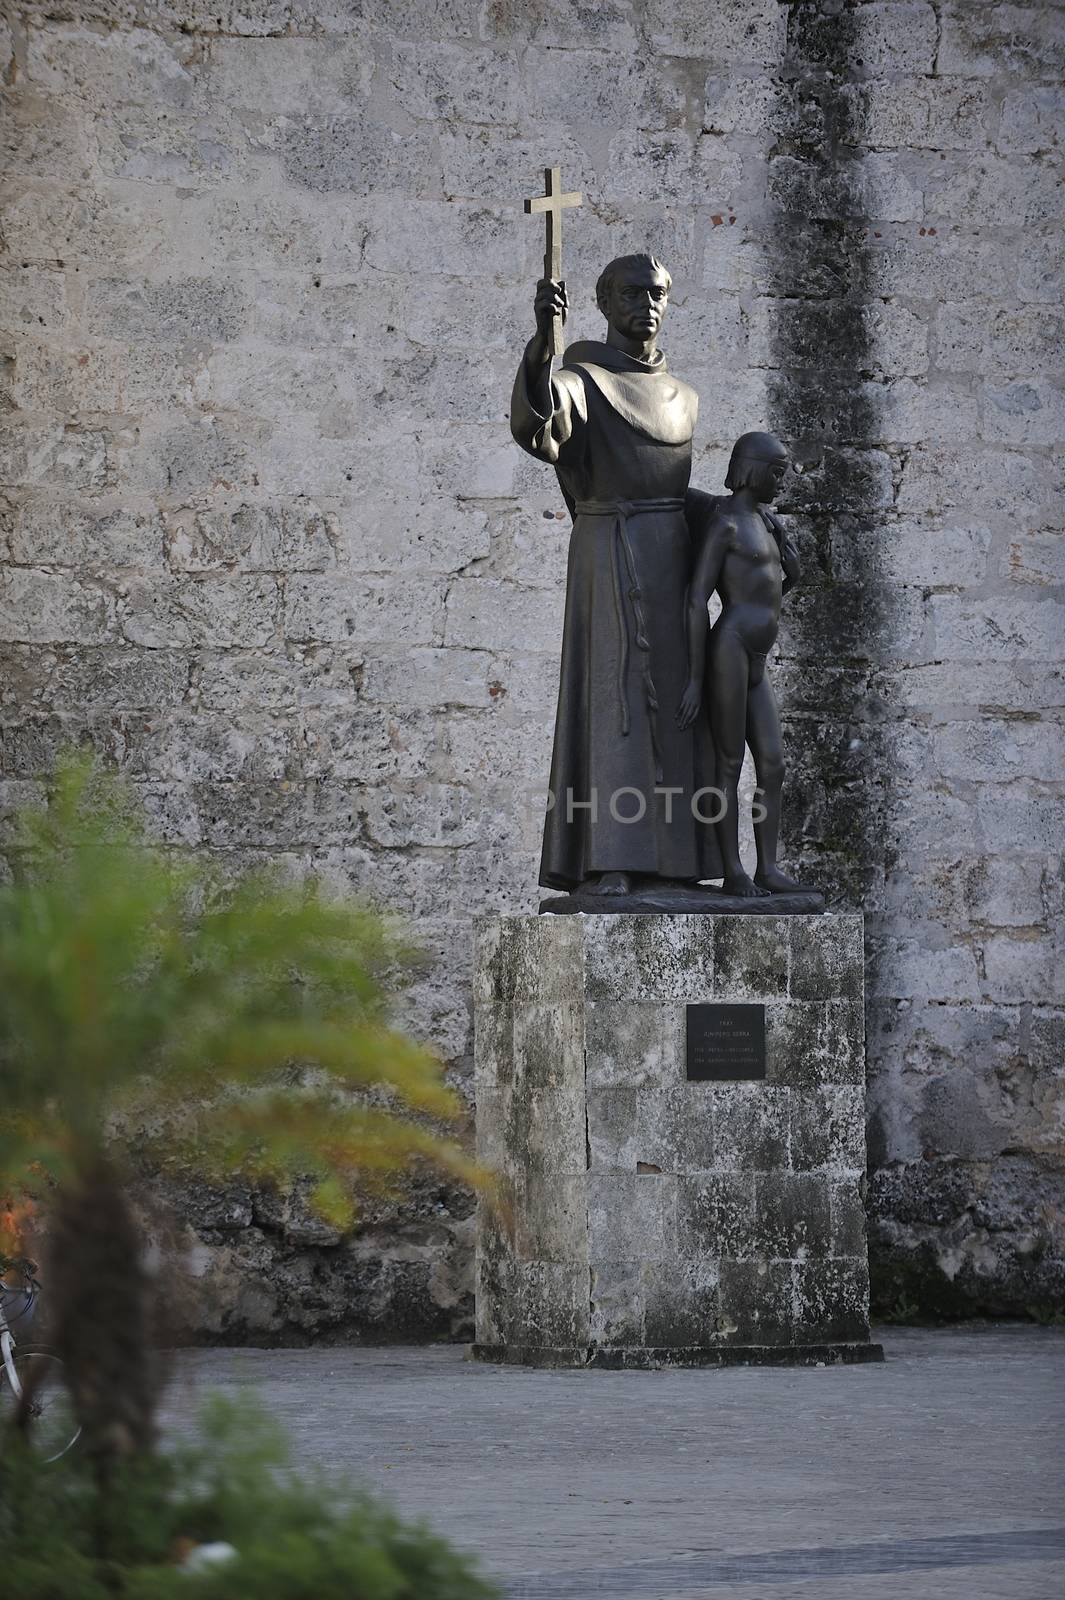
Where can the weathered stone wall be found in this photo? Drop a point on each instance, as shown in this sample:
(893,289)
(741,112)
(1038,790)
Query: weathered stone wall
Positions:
(269,546)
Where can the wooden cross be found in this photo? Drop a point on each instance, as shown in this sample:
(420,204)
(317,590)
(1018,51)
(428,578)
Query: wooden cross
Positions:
(552,205)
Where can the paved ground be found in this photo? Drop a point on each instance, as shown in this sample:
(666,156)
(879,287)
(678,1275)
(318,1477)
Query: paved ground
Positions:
(937,1476)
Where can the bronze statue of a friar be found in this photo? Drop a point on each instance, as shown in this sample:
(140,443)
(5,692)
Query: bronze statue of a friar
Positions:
(635,804)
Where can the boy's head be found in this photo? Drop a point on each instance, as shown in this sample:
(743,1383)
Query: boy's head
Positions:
(759,463)
(632,293)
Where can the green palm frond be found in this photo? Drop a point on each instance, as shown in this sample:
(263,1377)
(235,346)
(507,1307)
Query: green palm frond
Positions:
(249,1020)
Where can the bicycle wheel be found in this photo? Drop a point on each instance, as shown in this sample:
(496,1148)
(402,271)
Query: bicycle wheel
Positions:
(53,1428)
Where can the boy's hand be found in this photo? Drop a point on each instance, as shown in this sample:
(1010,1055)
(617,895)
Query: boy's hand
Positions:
(691,702)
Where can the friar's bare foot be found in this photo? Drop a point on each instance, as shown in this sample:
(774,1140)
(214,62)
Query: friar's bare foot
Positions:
(607,883)
(777,882)
(738,883)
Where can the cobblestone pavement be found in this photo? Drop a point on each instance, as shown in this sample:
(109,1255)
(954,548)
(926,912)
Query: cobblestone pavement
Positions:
(936,1476)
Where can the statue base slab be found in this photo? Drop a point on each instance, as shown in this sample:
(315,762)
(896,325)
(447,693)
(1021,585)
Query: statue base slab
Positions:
(666,1204)
(672,902)
(644,1359)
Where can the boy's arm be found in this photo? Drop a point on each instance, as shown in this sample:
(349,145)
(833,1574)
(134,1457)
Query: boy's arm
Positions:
(703,583)
(789,554)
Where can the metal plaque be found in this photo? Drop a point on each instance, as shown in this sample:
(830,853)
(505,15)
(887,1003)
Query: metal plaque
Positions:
(725,1042)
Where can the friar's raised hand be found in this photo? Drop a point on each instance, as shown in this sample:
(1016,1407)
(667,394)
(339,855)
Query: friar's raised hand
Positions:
(691,702)
(551,301)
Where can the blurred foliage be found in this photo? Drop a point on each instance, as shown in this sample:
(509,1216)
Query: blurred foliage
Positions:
(235,1019)
(239,1027)
(294,1539)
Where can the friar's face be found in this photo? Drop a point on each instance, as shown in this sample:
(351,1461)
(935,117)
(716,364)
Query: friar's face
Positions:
(637,303)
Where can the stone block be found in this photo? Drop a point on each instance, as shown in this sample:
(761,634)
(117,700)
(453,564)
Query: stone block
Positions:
(644,958)
(931,114)
(1032,119)
(988,40)
(178,309)
(625,1209)
(1023,969)
(292,537)
(980,480)
(470,239)
(216,610)
(1041,266)
(999,627)
(847,1216)
(83,225)
(896,36)
(525,960)
(352,155)
(553,1220)
(364,610)
(634,1046)
(196,151)
(610,91)
(752,1127)
(792,1215)
(757,1302)
(283,228)
(688,1206)
(1030,411)
(878,186)
(484,614)
(193,458)
(959,190)
(1019,817)
(832,1298)
(752,956)
(288,76)
(632,1128)
(795,333)
(552,1305)
(112,66)
(52,456)
(826,957)
(423,677)
(484,162)
(736,31)
(452,83)
(716,1215)
(681,1304)
(1005,343)
(46,607)
(617,1303)
(670,156)
(43,138)
(828,1130)
(33,299)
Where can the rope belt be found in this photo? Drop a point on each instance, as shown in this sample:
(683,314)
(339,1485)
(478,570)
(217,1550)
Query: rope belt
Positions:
(622,563)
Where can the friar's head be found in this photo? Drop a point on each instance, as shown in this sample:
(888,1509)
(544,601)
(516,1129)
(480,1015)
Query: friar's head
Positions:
(759,463)
(632,293)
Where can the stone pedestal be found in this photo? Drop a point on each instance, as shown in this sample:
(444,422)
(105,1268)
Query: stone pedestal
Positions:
(651,1218)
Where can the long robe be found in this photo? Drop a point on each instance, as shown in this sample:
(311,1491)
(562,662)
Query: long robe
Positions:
(623,774)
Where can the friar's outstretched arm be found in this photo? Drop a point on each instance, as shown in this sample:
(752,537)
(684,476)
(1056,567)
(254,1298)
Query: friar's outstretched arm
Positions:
(546,408)
(704,581)
(550,299)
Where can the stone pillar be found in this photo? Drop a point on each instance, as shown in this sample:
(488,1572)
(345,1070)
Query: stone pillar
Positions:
(651,1218)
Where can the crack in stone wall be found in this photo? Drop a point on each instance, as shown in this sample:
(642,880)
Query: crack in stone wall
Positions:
(268,546)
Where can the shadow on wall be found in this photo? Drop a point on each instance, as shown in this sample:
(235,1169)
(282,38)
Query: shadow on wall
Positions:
(820,400)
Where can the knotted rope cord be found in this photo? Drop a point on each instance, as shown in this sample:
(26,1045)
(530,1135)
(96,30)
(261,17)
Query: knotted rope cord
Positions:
(621,511)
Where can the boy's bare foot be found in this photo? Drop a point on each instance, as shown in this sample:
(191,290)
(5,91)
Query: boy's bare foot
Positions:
(777,882)
(739,883)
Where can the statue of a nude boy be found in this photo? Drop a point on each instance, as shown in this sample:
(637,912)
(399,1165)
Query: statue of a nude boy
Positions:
(744,555)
